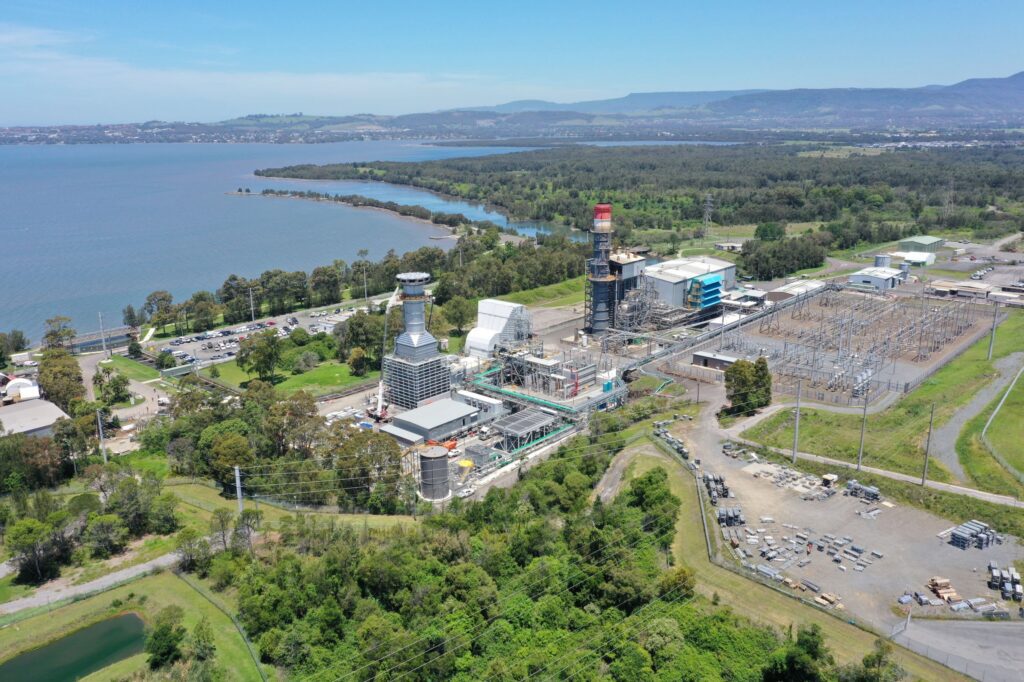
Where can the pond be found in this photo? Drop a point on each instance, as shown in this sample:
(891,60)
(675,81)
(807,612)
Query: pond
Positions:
(80,653)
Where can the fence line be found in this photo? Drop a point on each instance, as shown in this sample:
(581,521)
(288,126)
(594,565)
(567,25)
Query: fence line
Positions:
(238,626)
(984,431)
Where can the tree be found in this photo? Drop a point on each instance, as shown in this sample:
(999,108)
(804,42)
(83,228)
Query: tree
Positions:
(131,318)
(770,232)
(15,341)
(164,643)
(876,666)
(193,550)
(106,535)
(229,451)
(115,390)
(459,311)
(325,283)
(159,308)
(134,348)
(165,360)
(260,353)
(740,387)
(28,541)
(306,362)
(202,645)
(59,332)
(805,660)
(60,378)
(357,362)
(247,525)
(762,382)
(220,526)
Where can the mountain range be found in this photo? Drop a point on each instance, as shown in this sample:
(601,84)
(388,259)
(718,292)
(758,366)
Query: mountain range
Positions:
(978,104)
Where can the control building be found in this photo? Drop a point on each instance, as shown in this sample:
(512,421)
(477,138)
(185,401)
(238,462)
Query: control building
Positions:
(415,373)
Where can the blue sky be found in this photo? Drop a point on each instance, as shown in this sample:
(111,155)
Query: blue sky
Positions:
(98,61)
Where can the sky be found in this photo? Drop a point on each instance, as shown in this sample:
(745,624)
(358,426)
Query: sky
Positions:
(75,62)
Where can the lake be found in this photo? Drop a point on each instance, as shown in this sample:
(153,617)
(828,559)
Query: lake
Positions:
(91,228)
(80,653)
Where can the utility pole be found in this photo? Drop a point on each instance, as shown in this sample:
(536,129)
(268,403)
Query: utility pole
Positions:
(366,296)
(863,427)
(796,427)
(928,445)
(238,489)
(252,308)
(99,430)
(992,336)
(103,336)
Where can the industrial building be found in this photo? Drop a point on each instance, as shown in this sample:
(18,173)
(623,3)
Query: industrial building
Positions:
(696,283)
(525,428)
(797,287)
(435,421)
(415,372)
(31,418)
(713,360)
(922,242)
(879,278)
(498,324)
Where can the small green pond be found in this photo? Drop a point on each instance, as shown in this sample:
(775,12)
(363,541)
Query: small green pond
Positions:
(80,653)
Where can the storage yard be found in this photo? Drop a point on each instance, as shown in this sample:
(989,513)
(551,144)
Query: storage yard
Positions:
(845,547)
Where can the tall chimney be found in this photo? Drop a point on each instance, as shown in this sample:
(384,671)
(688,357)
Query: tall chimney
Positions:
(599,276)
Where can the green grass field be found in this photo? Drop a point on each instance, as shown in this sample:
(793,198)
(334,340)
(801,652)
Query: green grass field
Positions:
(160,590)
(568,292)
(984,470)
(131,369)
(1005,433)
(328,377)
(753,600)
(896,436)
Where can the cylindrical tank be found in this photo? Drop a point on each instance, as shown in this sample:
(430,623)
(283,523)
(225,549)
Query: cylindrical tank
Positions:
(883,260)
(905,271)
(434,473)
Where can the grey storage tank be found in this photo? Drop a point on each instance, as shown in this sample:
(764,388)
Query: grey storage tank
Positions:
(434,473)
(883,260)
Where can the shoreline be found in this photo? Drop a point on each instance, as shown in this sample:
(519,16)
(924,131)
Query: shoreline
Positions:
(452,233)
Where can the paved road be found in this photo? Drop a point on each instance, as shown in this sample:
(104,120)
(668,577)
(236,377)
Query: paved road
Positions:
(150,390)
(45,595)
(944,440)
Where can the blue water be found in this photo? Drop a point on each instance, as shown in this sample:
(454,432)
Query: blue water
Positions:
(90,228)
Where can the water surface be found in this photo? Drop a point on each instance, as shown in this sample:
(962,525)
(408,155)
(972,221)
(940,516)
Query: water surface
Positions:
(80,653)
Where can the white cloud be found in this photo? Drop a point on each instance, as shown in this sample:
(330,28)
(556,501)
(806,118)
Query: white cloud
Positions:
(42,81)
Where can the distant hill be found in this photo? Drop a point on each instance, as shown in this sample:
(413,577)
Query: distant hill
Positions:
(636,102)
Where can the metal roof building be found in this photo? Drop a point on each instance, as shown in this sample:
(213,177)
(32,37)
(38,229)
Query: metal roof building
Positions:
(673,280)
(794,288)
(882,279)
(32,418)
(520,429)
(922,242)
(434,421)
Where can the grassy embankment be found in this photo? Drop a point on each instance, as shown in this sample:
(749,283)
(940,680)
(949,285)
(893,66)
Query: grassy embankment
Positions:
(757,602)
(160,590)
(329,377)
(198,501)
(895,437)
(569,292)
(135,371)
(1006,434)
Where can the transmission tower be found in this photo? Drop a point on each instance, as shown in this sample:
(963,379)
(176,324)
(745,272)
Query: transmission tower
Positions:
(709,206)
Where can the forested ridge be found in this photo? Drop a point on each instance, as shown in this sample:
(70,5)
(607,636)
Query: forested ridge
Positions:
(664,187)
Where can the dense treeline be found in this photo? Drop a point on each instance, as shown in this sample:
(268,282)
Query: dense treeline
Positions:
(533,581)
(664,187)
(479,265)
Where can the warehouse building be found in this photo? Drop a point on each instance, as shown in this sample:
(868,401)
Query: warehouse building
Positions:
(922,242)
(31,418)
(436,421)
(878,278)
(695,283)
(713,360)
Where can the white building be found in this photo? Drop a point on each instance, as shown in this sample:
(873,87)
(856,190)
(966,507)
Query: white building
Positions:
(498,323)
(882,279)
(673,280)
(32,418)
